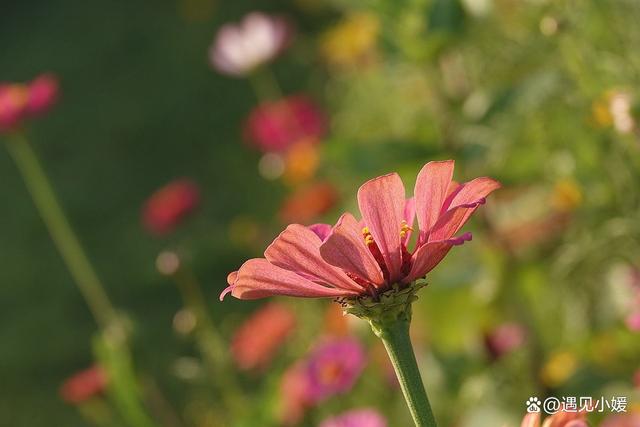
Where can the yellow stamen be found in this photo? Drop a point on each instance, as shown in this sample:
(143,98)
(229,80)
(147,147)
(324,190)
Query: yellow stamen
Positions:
(365,231)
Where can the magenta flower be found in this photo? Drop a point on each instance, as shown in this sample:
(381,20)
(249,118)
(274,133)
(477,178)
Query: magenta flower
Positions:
(367,257)
(333,368)
(356,418)
(277,125)
(24,101)
(238,49)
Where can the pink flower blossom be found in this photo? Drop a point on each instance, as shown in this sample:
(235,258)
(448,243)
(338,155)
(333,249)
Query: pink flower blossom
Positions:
(257,340)
(630,419)
(504,338)
(84,385)
(275,126)
(169,205)
(356,418)
(559,419)
(238,49)
(633,321)
(355,258)
(23,101)
(333,368)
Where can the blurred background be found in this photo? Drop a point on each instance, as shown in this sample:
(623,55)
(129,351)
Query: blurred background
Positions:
(281,127)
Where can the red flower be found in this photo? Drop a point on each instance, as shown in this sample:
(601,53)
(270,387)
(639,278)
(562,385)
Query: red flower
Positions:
(169,205)
(19,101)
(256,341)
(275,126)
(84,385)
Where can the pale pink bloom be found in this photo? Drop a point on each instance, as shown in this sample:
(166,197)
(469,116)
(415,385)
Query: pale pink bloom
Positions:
(559,419)
(504,338)
(356,418)
(355,258)
(240,48)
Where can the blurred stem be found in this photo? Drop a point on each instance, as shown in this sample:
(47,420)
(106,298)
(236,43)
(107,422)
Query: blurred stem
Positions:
(60,230)
(209,341)
(265,85)
(395,337)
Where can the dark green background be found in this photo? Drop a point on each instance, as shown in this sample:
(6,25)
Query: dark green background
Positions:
(139,107)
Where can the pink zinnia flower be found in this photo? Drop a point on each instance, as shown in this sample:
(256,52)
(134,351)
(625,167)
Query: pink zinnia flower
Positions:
(356,258)
(631,419)
(84,385)
(275,126)
(22,101)
(238,49)
(356,418)
(256,341)
(169,205)
(560,419)
(333,368)
(504,338)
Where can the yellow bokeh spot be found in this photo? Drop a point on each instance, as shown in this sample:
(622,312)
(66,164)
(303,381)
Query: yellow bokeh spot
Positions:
(567,195)
(301,161)
(559,368)
(352,41)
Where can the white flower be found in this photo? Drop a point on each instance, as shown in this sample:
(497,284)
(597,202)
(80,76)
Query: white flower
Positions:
(240,48)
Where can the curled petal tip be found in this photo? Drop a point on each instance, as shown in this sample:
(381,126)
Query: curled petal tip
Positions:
(224,293)
(466,237)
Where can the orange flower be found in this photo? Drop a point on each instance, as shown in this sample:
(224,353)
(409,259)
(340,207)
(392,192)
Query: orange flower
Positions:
(309,203)
(84,385)
(256,341)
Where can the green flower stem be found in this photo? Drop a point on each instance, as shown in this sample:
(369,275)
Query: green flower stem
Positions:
(63,236)
(395,336)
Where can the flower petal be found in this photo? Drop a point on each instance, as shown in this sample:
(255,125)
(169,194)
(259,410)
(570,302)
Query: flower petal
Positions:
(409,218)
(430,192)
(470,192)
(381,201)
(532,419)
(257,278)
(345,248)
(464,201)
(321,230)
(297,249)
(430,254)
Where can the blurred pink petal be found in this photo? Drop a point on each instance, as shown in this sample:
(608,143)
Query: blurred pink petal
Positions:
(84,385)
(334,367)
(261,335)
(43,94)
(356,418)
(275,126)
(169,205)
